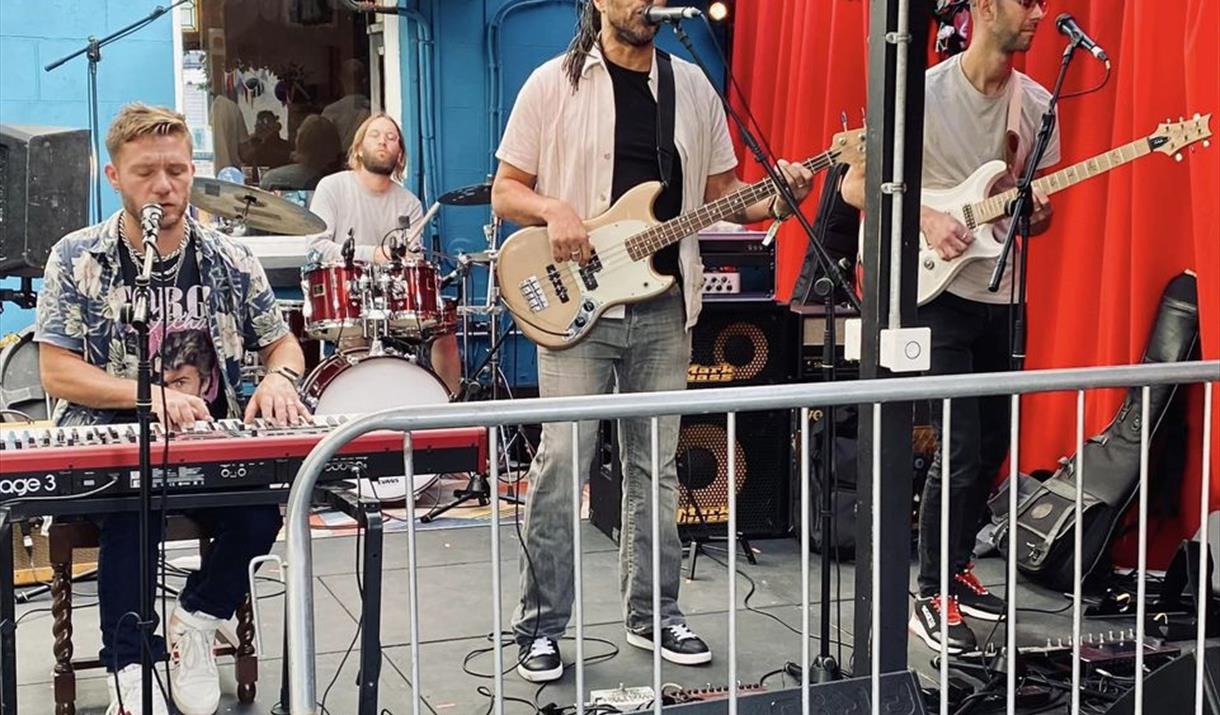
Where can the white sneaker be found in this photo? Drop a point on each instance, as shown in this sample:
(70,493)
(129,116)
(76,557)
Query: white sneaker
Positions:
(129,682)
(192,663)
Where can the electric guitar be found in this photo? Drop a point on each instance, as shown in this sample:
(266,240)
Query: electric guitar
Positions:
(971,201)
(556,303)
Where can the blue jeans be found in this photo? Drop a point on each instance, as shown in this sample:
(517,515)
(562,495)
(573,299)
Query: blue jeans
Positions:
(648,350)
(217,588)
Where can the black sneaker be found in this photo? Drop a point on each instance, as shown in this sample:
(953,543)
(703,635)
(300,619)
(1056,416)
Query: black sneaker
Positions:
(925,623)
(539,661)
(974,598)
(679,644)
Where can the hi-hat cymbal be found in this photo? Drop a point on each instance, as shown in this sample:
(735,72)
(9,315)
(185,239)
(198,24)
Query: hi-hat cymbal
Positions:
(257,208)
(473,195)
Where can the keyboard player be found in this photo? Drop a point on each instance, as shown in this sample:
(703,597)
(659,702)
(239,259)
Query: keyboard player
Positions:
(210,303)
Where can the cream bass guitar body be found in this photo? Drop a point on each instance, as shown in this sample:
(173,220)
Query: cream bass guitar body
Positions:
(556,303)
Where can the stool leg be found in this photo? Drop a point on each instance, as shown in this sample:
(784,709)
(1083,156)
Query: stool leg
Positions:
(247,663)
(61,611)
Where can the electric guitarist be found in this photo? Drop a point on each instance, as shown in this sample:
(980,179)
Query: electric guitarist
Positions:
(976,103)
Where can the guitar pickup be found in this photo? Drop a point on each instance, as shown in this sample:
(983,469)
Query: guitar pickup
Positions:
(535,297)
(589,271)
(561,291)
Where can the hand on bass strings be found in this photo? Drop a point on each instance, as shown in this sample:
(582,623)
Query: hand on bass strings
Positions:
(569,238)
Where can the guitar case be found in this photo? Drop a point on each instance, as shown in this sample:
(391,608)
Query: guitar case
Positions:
(1046,520)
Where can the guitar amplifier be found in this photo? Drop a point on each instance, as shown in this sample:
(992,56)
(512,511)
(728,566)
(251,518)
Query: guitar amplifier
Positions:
(737,263)
(812,318)
(742,341)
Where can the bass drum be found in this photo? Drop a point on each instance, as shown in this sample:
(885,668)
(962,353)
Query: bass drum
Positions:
(355,382)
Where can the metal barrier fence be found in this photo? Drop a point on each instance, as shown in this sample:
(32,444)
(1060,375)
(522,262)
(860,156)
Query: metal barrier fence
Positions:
(301,648)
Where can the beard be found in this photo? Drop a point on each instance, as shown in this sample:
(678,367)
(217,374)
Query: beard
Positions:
(384,167)
(629,34)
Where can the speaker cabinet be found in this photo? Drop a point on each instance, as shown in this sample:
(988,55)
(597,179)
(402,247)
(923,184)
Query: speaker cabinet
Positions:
(762,450)
(1171,688)
(44,193)
(742,341)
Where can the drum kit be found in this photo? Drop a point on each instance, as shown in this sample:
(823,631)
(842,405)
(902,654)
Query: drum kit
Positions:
(363,325)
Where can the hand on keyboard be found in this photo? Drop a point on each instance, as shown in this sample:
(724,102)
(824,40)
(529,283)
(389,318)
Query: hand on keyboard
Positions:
(276,400)
(183,410)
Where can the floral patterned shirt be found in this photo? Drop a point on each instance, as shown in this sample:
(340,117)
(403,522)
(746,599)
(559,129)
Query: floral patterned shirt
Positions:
(82,296)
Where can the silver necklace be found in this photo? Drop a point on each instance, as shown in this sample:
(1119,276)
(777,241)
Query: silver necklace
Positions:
(138,257)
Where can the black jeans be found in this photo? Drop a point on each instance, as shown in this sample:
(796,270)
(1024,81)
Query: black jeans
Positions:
(967,337)
(217,588)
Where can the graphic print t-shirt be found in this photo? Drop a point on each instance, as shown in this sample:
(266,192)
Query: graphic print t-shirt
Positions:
(179,340)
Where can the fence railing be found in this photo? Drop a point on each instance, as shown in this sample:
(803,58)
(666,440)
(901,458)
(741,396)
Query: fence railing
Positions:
(300,602)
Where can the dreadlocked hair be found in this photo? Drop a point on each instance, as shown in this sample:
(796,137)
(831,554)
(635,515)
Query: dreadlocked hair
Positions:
(588,27)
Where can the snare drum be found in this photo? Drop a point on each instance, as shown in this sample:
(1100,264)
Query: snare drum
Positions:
(333,302)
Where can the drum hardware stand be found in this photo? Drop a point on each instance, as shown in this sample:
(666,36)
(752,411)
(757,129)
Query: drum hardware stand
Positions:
(478,487)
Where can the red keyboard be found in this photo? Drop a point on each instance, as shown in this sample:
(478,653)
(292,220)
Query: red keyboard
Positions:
(220,455)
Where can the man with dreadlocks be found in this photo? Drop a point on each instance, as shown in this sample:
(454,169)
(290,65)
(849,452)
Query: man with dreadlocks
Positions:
(586,127)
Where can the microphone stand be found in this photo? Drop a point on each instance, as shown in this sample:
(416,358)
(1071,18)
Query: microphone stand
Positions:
(93,52)
(768,164)
(824,668)
(1020,209)
(137,315)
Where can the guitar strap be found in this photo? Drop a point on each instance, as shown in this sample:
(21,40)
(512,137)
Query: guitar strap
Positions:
(1021,151)
(665,116)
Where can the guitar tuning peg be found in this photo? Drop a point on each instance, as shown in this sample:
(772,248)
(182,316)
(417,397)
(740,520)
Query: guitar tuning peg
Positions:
(1181,118)
(1197,115)
(1207,143)
(843,119)
(1177,157)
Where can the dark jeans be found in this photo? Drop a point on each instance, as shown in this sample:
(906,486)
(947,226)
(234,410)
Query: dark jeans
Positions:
(967,337)
(217,588)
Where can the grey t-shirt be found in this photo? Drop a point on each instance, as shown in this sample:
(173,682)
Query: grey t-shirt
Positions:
(345,204)
(964,129)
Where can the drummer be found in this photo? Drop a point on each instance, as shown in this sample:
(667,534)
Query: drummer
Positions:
(369,203)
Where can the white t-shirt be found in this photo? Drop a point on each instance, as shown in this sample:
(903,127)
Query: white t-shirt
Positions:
(228,132)
(964,129)
(566,139)
(346,205)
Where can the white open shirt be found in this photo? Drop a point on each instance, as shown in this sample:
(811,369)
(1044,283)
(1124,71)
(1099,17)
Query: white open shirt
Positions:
(566,139)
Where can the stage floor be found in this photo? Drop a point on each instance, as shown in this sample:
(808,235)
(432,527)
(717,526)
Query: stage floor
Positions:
(456,618)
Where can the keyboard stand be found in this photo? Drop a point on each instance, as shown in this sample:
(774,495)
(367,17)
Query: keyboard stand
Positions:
(367,513)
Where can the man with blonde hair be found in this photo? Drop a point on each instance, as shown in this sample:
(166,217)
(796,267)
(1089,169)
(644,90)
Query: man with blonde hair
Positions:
(368,202)
(209,294)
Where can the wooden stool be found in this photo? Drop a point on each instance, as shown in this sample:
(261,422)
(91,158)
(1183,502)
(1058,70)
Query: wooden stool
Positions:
(65,537)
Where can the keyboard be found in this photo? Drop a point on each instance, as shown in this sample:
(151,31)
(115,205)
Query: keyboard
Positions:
(103,460)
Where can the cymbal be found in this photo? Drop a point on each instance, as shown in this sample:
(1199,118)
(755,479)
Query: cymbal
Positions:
(257,208)
(473,195)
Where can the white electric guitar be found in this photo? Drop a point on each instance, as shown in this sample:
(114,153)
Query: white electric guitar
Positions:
(556,303)
(971,201)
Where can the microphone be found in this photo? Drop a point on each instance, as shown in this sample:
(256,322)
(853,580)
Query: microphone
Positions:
(150,222)
(1066,24)
(463,266)
(654,15)
(349,248)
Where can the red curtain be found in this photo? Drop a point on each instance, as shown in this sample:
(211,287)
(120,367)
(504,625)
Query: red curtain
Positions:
(1116,240)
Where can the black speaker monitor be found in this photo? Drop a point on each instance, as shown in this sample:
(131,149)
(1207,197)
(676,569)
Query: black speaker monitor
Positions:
(44,193)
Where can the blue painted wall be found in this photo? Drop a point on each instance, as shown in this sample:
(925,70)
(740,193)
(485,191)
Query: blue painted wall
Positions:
(34,34)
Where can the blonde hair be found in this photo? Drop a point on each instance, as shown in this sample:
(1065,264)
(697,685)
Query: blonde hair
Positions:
(139,120)
(353,152)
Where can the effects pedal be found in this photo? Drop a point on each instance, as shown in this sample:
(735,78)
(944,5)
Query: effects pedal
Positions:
(622,698)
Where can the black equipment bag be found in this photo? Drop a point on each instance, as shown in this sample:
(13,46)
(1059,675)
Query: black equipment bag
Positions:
(1046,520)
